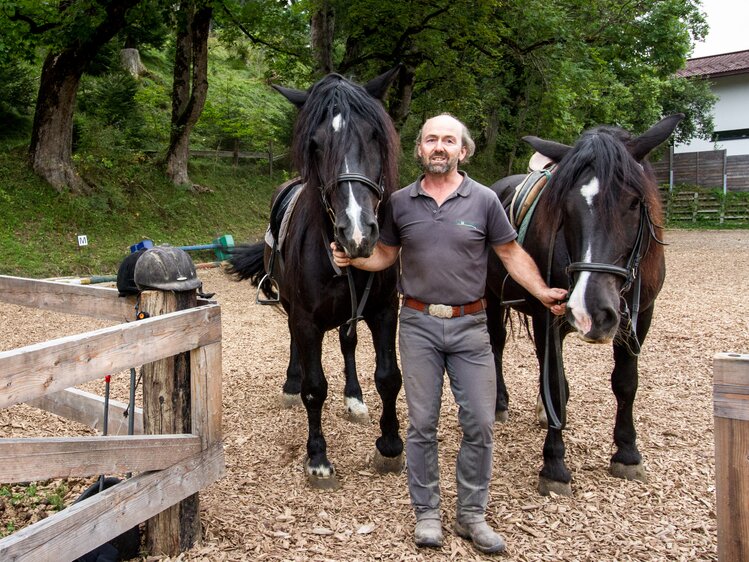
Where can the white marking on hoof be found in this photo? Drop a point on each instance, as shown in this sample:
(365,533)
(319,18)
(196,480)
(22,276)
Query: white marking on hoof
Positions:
(501,417)
(356,411)
(321,477)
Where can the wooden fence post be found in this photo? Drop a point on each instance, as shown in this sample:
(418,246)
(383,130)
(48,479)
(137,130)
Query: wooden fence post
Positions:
(731,412)
(166,409)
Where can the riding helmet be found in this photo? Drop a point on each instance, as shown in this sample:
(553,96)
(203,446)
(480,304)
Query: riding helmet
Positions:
(166,268)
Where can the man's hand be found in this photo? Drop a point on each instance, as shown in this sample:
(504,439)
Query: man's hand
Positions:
(555,300)
(339,256)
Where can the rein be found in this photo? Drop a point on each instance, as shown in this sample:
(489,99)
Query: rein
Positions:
(631,278)
(357,306)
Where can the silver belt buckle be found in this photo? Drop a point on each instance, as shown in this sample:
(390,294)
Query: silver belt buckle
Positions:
(440,310)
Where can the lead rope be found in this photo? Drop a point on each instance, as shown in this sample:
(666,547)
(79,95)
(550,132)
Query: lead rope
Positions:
(357,306)
(553,420)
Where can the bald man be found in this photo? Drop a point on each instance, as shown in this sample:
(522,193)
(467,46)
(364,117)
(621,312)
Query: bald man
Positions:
(443,226)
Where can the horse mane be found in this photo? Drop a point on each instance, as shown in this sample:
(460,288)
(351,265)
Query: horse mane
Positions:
(336,94)
(318,160)
(603,150)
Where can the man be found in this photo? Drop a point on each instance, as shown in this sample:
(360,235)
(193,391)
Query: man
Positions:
(442,226)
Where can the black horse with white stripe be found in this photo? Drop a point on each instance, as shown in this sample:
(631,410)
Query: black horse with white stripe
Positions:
(594,229)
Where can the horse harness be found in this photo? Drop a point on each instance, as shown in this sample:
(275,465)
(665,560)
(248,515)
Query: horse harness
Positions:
(379,191)
(278,212)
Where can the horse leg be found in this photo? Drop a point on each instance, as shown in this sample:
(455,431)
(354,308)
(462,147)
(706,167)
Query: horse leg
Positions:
(314,389)
(495,321)
(356,409)
(627,462)
(290,395)
(554,475)
(388,456)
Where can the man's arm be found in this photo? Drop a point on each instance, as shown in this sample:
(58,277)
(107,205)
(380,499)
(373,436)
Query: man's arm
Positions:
(523,269)
(383,256)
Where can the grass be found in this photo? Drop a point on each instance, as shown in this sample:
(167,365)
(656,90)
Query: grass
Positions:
(131,201)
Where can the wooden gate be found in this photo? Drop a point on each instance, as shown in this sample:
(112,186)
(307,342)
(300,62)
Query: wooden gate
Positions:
(169,468)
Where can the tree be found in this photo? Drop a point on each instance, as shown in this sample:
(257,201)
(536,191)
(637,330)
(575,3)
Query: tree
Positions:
(74,34)
(190,85)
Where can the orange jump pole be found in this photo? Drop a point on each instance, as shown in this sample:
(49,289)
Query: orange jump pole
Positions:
(731,413)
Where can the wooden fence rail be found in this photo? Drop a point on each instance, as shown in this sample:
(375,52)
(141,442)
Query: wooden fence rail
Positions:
(172,467)
(696,206)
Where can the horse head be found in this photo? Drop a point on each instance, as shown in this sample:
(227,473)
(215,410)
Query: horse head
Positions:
(345,150)
(601,197)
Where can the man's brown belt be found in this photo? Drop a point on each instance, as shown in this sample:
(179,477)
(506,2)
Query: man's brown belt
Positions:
(445,310)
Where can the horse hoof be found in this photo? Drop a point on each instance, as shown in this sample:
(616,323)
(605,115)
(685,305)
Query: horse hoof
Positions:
(385,465)
(501,416)
(289,401)
(326,483)
(321,478)
(546,487)
(356,411)
(628,471)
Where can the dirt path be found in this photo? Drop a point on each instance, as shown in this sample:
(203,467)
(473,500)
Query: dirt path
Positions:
(263,509)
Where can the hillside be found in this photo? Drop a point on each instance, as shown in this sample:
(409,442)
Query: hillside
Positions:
(131,201)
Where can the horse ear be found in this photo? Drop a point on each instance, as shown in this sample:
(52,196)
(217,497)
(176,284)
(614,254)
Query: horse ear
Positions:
(641,146)
(297,97)
(378,87)
(550,149)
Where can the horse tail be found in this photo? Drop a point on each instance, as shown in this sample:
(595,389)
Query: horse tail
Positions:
(246,262)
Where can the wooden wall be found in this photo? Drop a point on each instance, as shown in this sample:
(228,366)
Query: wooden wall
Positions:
(706,169)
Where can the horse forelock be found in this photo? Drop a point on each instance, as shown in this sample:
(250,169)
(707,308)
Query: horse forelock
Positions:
(357,111)
(602,152)
(318,151)
(599,153)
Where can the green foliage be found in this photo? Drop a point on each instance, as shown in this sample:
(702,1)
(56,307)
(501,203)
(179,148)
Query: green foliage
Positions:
(241,110)
(131,200)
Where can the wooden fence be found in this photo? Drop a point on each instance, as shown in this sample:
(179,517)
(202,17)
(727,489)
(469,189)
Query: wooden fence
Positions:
(170,467)
(709,169)
(697,206)
(731,420)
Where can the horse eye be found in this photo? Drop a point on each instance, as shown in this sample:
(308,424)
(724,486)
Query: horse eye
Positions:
(634,204)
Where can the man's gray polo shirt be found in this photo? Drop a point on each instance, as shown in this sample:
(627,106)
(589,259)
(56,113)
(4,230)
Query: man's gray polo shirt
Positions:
(444,250)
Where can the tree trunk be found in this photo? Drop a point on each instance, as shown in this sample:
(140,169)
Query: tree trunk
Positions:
(130,59)
(404,87)
(51,148)
(190,86)
(322,25)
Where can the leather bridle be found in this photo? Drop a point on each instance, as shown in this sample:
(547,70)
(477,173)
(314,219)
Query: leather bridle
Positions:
(378,189)
(630,273)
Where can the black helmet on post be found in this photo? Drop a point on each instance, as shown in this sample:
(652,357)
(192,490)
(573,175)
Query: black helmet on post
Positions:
(166,268)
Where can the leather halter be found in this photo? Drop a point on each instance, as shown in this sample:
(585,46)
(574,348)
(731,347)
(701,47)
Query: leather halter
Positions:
(378,189)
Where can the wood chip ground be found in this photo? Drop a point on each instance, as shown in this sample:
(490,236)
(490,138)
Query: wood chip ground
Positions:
(264,510)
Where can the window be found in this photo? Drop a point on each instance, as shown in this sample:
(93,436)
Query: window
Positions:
(735,134)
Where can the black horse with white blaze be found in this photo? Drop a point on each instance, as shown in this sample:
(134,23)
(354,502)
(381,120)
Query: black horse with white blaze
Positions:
(346,151)
(595,229)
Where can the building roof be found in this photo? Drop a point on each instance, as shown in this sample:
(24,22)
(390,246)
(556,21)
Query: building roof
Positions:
(717,65)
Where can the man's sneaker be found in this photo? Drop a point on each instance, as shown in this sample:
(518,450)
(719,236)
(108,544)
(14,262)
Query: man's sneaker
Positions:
(483,537)
(428,532)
